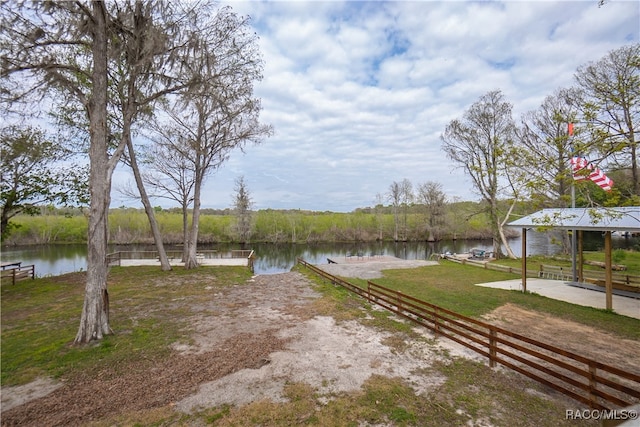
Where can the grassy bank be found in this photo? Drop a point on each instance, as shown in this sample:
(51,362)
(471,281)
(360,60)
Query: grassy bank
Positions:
(40,317)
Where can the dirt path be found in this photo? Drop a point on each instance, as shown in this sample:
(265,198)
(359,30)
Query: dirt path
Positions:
(247,348)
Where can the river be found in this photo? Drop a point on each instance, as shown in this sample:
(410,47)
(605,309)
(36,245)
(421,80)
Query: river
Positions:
(52,260)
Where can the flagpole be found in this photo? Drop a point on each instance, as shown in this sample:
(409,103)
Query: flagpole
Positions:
(574,236)
(574,242)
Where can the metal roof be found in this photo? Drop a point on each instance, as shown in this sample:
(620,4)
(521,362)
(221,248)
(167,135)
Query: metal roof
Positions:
(588,219)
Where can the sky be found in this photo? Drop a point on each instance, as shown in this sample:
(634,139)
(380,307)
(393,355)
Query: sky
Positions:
(359,93)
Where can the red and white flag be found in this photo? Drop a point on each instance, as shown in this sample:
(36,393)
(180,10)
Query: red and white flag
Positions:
(582,169)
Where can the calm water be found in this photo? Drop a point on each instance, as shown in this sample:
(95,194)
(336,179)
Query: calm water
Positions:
(271,258)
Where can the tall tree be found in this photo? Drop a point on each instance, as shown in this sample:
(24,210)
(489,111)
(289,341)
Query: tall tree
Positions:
(611,89)
(157,40)
(431,196)
(546,150)
(547,147)
(219,114)
(114,61)
(242,208)
(394,196)
(400,195)
(62,49)
(480,144)
(169,173)
(406,190)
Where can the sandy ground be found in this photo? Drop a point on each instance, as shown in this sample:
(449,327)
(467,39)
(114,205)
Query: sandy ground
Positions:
(250,340)
(370,268)
(334,357)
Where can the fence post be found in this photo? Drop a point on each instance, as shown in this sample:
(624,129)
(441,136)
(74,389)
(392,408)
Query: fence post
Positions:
(399,301)
(592,385)
(436,325)
(492,347)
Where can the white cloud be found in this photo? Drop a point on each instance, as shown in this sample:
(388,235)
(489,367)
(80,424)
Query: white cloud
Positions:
(360,92)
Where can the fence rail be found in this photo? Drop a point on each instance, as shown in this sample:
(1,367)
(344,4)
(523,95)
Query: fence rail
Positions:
(625,282)
(586,380)
(19,273)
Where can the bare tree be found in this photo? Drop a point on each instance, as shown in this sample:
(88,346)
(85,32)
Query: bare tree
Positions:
(219,114)
(406,191)
(155,40)
(379,207)
(395,198)
(169,172)
(431,196)
(400,195)
(547,148)
(242,206)
(611,90)
(480,143)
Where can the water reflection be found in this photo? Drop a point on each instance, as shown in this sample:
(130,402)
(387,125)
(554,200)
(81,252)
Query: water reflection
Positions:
(275,258)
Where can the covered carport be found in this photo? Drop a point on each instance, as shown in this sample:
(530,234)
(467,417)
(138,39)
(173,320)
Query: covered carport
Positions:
(578,220)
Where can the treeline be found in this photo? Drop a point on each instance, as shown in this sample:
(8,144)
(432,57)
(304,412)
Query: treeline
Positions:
(462,220)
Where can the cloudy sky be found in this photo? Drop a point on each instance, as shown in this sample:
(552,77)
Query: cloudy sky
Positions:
(359,93)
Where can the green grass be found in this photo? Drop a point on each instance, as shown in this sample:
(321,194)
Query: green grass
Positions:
(40,319)
(452,286)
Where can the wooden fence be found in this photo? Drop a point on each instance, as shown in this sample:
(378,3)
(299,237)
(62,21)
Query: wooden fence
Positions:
(19,273)
(586,380)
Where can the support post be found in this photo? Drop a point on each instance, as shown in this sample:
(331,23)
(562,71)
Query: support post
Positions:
(524,260)
(608,278)
(580,256)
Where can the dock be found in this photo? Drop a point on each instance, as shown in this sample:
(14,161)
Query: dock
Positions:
(241,258)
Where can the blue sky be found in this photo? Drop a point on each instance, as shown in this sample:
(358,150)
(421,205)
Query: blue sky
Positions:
(359,93)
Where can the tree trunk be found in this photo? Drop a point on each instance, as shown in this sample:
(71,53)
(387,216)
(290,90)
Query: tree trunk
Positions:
(94,322)
(157,237)
(192,259)
(185,231)
(505,242)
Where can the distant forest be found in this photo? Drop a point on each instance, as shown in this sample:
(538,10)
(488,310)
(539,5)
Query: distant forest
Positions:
(459,220)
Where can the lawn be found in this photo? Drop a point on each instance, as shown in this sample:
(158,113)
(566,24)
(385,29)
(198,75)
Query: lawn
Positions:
(452,286)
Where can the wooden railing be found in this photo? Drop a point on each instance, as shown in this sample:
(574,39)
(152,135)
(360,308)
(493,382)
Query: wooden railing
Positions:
(19,273)
(586,380)
(114,258)
(625,282)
